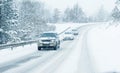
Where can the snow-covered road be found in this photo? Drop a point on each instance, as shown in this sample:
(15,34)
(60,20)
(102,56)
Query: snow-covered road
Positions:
(72,57)
(44,60)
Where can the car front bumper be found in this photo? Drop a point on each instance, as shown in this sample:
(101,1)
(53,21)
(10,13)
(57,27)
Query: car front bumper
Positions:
(43,45)
(68,38)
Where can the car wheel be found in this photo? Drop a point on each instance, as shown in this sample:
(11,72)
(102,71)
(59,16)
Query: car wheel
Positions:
(59,46)
(55,48)
(59,41)
(39,48)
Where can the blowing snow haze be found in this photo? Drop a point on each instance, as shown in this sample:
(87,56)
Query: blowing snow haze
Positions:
(59,36)
(90,7)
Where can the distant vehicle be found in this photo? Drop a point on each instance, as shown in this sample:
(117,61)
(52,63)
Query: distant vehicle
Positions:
(75,32)
(68,36)
(49,40)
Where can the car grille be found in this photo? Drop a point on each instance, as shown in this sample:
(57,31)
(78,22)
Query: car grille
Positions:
(46,40)
(46,44)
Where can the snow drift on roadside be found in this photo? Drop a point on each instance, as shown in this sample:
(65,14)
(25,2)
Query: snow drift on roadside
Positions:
(9,55)
(104,45)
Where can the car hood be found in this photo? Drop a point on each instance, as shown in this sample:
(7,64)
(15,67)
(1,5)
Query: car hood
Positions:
(47,38)
(68,35)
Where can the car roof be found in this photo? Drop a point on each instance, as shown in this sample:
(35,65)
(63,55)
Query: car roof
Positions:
(49,32)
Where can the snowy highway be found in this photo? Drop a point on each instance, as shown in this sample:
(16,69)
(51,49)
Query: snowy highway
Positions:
(59,36)
(72,57)
(94,50)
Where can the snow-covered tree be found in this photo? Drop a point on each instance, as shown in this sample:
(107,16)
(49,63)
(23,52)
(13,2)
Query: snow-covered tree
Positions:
(74,14)
(116,14)
(102,15)
(67,15)
(0,13)
(9,15)
(33,17)
(116,11)
(56,15)
(117,2)
(4,37)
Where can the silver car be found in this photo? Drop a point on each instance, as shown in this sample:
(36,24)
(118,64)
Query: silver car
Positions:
(68,36)
(49,40)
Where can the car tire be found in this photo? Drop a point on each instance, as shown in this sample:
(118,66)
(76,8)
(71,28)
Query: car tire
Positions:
(59,46)
(55,48)
(39,48)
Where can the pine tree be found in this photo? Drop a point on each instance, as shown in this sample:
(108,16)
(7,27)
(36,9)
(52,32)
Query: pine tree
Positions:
(8,18)
(56,15)
(116,14)
(9,15)
(117,2)
(67,15)
(32,17)
(77,15)
(0,13)
(116,11)
(102,15)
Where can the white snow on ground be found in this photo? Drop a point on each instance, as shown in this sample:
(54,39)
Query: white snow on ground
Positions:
(67,60)
(49,60)
(70,65)
(7,55)
(104,44)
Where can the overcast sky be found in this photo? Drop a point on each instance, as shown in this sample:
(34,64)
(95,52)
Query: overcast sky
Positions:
(88,6)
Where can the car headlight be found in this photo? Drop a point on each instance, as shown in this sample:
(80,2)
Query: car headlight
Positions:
(40,41)
(52,44)
(52,41)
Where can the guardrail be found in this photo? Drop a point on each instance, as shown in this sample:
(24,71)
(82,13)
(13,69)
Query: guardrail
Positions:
(4,46)
(64,30)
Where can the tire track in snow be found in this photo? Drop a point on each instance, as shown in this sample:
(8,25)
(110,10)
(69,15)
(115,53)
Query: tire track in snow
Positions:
(45,56)
(56,60)
(86,64)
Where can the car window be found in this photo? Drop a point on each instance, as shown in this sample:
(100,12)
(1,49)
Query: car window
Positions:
(49,35)
(67,32)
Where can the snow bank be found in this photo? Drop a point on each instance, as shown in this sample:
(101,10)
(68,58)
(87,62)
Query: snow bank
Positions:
(104,45)
(8,55)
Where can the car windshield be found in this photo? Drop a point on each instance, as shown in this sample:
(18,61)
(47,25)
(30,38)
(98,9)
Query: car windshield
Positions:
(74,30)
(48,35)
(68,33)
